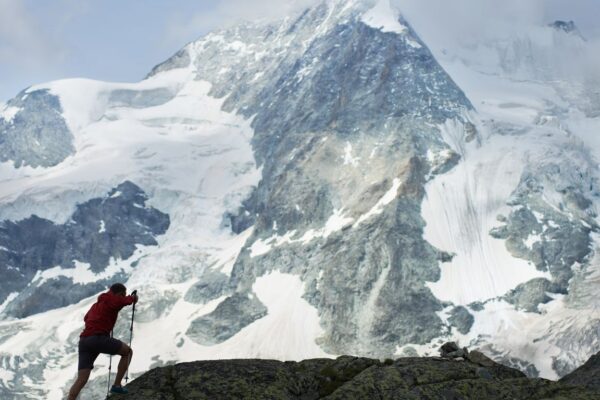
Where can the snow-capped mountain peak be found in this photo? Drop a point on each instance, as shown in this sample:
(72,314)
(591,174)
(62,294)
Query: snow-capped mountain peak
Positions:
(320,185)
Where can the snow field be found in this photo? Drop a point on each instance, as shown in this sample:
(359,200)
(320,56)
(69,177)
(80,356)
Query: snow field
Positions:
(519,122)
(460,209)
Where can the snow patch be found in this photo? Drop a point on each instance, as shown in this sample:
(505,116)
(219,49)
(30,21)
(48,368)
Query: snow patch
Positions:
(260,247)
(10,298)
(336,222)
(288,332)
(6,377)
(82,273)
(412,43)
(383,17)
(532,239)
(9,113)
(386,199)
(348,159)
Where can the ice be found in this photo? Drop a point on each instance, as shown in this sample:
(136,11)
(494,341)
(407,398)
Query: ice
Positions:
(348,159)
(82,273)
(383,16)
(8,113)
(9,298)
(532,239)
(460,209)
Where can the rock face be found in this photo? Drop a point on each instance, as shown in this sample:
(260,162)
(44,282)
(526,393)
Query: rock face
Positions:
(350,378)
(560,242)
(227,319)
(36,133)
(587,375)
(100,230)
(565,26)
(333,137)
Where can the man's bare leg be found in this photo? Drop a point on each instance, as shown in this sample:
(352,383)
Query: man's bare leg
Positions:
(126,353)
(82,377)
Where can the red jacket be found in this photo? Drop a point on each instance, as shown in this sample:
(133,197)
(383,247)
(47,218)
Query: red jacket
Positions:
(101,317)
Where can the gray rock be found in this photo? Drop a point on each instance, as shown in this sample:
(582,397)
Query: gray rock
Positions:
(529,295)
(54,293)
(526,367)
(477,306)
(211,285)
(462,319)
(230,316)
(181,59)
(484,373)
(563,231)
(38,135)
(478,357)
(100,229)
(448,347)
(470,132)
(587,375)
(566,27)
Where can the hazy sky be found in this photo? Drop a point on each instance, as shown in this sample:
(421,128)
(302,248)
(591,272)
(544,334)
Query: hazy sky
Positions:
(121,40)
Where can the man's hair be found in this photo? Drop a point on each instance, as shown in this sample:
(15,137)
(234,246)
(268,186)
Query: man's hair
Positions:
(118,288)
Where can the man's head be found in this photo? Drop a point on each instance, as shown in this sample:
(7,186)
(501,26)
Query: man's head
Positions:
(118,288)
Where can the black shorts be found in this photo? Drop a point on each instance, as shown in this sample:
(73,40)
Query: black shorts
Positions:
(91,346)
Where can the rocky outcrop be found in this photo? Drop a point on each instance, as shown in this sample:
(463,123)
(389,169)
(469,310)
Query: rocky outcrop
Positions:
(566,26)
(553,237)
(36,134)
(470,376)
(100,230)
(227,319)
(587,375)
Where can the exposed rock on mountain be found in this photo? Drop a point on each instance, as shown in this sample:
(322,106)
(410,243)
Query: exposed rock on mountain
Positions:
(56,258)
(33,132)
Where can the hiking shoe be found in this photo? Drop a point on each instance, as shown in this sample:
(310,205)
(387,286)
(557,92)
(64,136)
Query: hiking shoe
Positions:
(118,389)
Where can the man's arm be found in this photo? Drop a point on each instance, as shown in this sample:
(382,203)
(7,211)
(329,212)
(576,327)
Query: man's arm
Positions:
(119,302)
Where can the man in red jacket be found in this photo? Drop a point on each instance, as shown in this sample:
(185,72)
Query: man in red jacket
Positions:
(96,338)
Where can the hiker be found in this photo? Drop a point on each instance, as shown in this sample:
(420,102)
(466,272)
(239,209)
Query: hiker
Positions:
(96,338)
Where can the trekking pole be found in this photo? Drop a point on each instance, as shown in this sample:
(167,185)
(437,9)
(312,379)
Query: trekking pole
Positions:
(109,370)
(134,293)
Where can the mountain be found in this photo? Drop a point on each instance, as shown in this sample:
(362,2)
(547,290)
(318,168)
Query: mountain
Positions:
(327,184)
